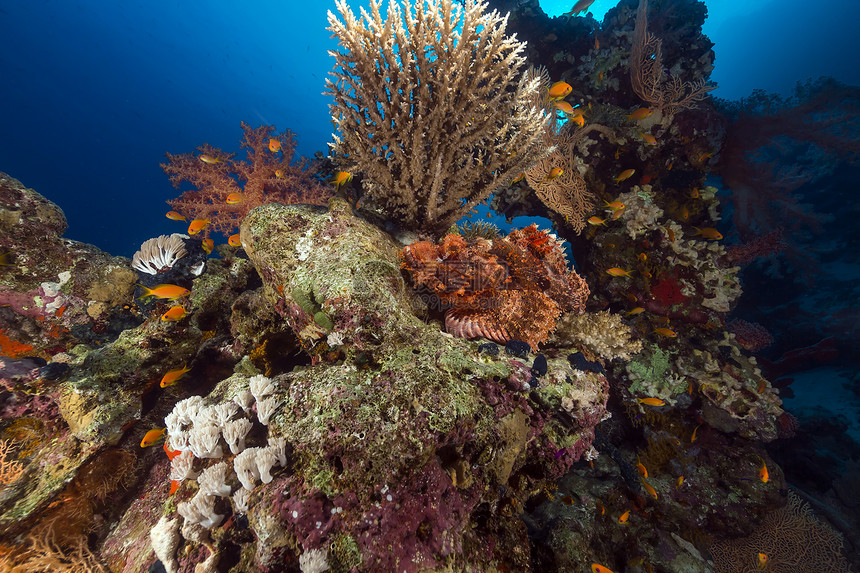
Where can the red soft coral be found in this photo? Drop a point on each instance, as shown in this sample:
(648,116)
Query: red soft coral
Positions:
(262,177)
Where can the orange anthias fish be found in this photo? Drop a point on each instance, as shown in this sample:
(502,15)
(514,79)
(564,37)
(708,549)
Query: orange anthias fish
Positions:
(616,272)
(274,145)
(762,560)
(279,173)
(597,568)
(640,114)
(708,233)
(210,160)
(234,198)
(518,178)
(637,310)
(197,225)
(578,119)
(693,437)
(341,178)
(174,216)
(652,402)
(234,240)
(650,489)
(152,437)
(615,205)
(558,90)
(626,174)
(563,107)
(763,474)
(208,245)
(624,517)
(667,332)
(554,173)
(596,221)
(173,314)
(169,292)
(173,376)
(649,139)
(640,467)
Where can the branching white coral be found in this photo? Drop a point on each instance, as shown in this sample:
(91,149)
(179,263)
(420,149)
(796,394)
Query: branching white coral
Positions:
(260,386)
(313,561)
(159,254)
(278,445)
(203,441)
(178,440)
(245,466)
(213,480)
(181,467)
(245,400)
(164,537)
(266,460)
(235,432)
(186,410)
(200,509)
(217,415)
(265,408)
(241,499)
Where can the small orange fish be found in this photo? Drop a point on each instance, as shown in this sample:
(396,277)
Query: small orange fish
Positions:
(558,90)
(234,240)
(279,173)
(696,429)
(554,173)
(208,245)
(566,499)
(600,76)
(168,292)
(626,174)
(174,313)
(708,233)
(563,107)
(670,234)
(646,274)
(762,560)
(601,508)
(635,311)
(680,482)
(640,467)
(234,198)
(197,225)
(578,119)
(152,437)
(518,178)
(650,489)
(174,485)
(762,386)
(598,568)
(210,160)
(174,216)
(596,221)
(649,139)
(624,517)
(616,272)
(694,194)
(274,145)
(704,157)
(652,402)
(173,376)
(596,44)
(642,256)
(763,474)
(341,178)
(667,332)
(640,114)
(684,214)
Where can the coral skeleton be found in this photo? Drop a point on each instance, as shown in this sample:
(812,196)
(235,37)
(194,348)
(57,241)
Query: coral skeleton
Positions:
(164,537)
(159,254)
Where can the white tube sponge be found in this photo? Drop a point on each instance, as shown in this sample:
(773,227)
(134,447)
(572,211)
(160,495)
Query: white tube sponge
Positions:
(260,386)
(266,459)
(217,415)
(164,538)
(245,400)
(213,480)
(245,465)
(241,499)
(181,467)
(234,433)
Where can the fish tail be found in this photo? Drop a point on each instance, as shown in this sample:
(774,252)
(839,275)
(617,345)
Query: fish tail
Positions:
(146,291)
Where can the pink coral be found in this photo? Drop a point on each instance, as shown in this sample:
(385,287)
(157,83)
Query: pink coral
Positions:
(263,177)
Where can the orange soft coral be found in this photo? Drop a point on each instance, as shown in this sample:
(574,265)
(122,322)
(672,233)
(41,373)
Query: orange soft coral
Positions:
(512,288)
(262,177)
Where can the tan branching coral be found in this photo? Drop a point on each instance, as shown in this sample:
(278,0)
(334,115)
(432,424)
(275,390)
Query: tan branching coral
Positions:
(159,254)
(431,108)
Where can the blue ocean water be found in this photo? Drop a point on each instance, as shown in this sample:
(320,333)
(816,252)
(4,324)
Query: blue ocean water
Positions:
(95,92)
